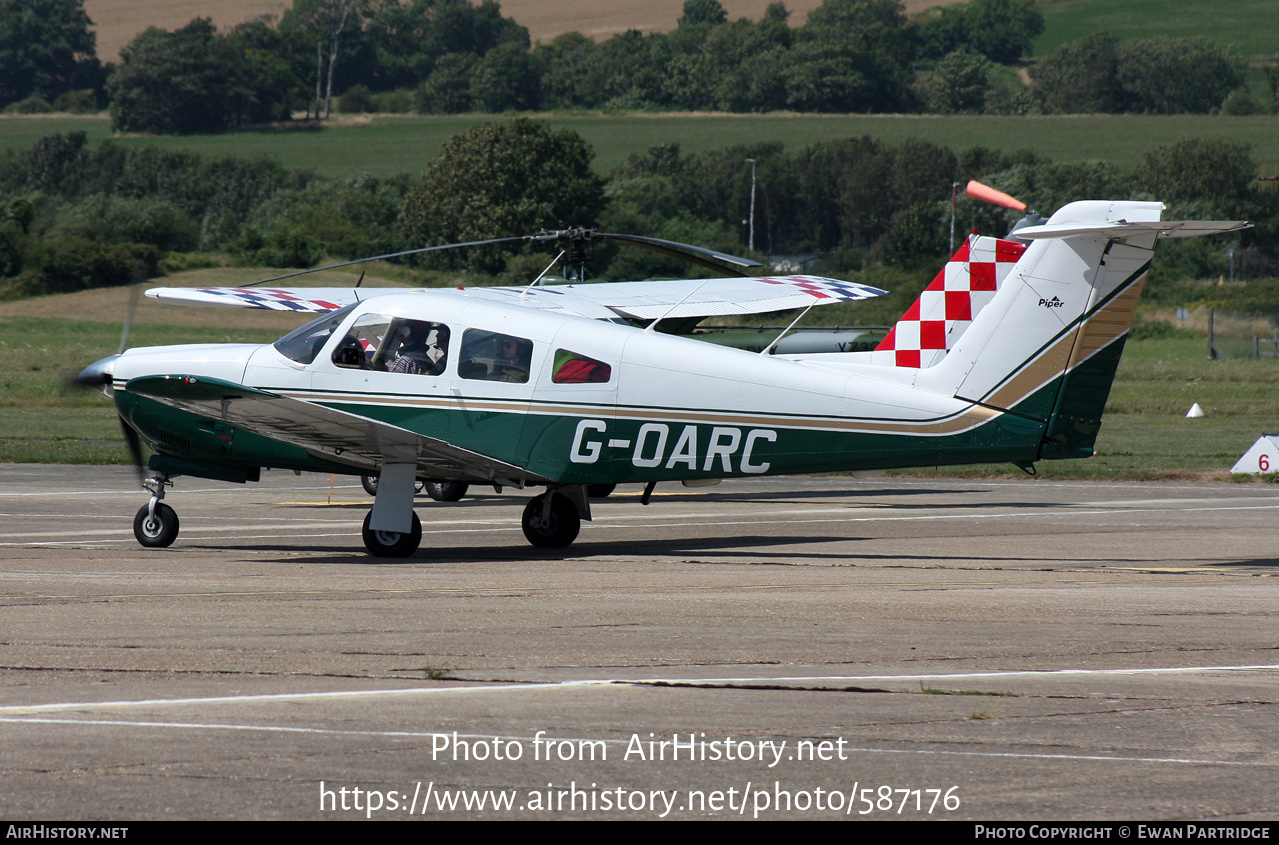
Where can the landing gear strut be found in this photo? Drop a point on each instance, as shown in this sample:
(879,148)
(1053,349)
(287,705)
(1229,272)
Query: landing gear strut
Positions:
(156,524)
(551,521)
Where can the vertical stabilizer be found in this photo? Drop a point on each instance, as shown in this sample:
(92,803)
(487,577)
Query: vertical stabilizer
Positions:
(1048,344)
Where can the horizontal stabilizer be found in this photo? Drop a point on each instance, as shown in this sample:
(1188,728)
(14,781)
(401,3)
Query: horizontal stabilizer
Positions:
(1125,229)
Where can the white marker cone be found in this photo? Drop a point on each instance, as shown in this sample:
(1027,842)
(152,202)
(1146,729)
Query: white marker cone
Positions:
(1195,412)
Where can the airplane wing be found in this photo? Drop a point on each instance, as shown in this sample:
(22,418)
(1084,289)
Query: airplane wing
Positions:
(324,432)
(689,297)
(637,300)
(301,300)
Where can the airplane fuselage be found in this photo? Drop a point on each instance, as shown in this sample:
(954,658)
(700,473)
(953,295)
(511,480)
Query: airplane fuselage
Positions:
(671,408)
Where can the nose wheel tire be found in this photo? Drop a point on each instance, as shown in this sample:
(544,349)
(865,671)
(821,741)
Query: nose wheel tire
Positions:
(156,531)
(392,543)
(446,491)
(553,529)
(600,491)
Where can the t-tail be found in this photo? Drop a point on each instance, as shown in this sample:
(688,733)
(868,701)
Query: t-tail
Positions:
(1048,343)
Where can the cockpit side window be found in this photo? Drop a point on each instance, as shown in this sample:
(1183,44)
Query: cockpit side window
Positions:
(491,356)
(303,345)
(575,368)
(363,343)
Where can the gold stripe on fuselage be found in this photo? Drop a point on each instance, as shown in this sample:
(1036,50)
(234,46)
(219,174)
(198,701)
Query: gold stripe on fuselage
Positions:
(970,417)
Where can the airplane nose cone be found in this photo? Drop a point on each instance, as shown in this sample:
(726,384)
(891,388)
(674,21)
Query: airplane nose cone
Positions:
(98,374)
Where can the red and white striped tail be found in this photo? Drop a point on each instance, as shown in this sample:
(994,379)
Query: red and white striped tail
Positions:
(947,307)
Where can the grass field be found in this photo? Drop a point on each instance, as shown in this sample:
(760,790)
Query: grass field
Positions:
(387,145)
(1145,435)
(1249,27)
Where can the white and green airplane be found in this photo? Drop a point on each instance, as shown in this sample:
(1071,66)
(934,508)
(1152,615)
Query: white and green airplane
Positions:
(1008,356)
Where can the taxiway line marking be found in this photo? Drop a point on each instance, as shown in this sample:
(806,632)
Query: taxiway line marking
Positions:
(24,709)
(620,742)
(603,522)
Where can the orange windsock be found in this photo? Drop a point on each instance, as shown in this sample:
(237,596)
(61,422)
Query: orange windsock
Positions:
(978,191)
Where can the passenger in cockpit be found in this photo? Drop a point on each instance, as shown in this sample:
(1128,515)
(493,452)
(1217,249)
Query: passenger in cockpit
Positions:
(422,350)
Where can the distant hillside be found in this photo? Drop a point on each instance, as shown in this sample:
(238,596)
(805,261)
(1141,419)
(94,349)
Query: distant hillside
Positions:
(1250,27)
(118,21)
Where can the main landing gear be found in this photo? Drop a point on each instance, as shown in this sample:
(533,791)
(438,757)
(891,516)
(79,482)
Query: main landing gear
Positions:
(156,524)
(391,543)
(551,521)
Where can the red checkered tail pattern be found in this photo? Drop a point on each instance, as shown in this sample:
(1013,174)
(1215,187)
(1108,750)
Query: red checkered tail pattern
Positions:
(947,307)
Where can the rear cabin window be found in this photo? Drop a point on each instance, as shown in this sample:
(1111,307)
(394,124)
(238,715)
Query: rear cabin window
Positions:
(575,368)
(491,356)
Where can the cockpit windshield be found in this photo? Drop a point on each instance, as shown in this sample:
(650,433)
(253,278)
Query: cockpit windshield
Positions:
(304,344)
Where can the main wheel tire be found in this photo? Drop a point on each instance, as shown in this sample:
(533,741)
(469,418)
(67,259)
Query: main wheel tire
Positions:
(557,530)
(369,483)
(446,491)
(600,491)
(156,532)
(391,543)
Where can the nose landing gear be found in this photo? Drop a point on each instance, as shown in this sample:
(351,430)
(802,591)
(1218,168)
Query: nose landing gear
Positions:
(156,524)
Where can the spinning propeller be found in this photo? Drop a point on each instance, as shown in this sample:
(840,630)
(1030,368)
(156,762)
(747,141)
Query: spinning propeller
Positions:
(97,376)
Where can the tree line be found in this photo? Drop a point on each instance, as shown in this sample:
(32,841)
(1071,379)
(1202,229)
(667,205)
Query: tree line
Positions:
(450,56)
(74,217)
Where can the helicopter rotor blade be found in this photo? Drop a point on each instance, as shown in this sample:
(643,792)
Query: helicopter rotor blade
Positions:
(419,251)
(713,259)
